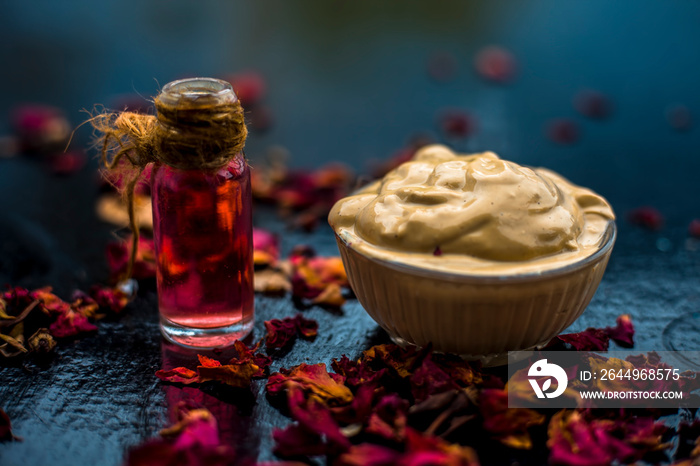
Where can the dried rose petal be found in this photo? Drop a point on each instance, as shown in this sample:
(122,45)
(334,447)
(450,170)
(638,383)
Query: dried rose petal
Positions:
(266,251)
(311,275)
(389,418)
(303,196)
(591,339)
(679,117)
(368,454)
(236,375)
(272,282)
(50,303)
(358,411)
(315,417)
(207,362)
(246,355)
(457,123)
(6,428)
(462,372)
(331,296)
(296,440)
(419,450)
(194,440)
(281,333)
(71,323)
(118,258)
(67,163)
(694,228)
(313,378)
(575,440)
(357,373)
(40,128)
(178,375)
(597,339)
(250,87)
(562,131)
(400,361)
(429,379)
(239,372)
(426,449)
(647,217)
(113,299)
(12,345)
(495,64)
(509,425)
(623,332)
(19,297)
(307,328)
(593,104)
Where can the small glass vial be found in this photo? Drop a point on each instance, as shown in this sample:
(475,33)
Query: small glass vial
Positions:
(202,227)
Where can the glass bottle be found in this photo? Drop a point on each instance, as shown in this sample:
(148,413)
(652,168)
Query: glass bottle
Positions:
(202,227)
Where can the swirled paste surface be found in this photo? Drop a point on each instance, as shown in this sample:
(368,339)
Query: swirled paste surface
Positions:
(472,212)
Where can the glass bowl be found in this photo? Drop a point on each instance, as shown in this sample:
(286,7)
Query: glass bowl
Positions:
(479,317)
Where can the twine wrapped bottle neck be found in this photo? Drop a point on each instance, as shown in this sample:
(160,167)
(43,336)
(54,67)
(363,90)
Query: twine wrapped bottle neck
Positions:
(199,125)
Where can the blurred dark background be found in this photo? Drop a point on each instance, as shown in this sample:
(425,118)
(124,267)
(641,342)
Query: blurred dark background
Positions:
(603,92)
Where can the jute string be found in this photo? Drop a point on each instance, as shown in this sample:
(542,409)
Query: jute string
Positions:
(192,135)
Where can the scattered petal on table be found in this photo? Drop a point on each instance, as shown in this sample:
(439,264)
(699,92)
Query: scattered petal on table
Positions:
(281,333)
(647,217)
(496,64)
(509,425)
(194,440)
(315,379)
(6,428)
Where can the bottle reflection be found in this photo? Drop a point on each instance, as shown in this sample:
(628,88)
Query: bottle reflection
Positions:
(232,407)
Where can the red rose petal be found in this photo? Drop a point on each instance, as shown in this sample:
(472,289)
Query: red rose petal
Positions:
(694,228)
(457,123)
(67,163)
(429,379)
(178,375)
(250,87)
(265,248)
(314,378)
(389,418)
(6,428)
(315,417)
(593,104)
(193,440)
(70,324)
(623,332)
(509,425)
(679,117)
(118,258)
(647,217)
(563,131)
(495,64)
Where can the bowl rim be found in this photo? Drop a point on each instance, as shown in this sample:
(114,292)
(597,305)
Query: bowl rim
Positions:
(604,247)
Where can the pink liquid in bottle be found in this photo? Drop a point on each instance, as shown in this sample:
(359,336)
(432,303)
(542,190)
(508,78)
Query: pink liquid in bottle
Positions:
(202,225)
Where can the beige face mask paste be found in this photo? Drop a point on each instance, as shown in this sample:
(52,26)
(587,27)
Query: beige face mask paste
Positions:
(473,214)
